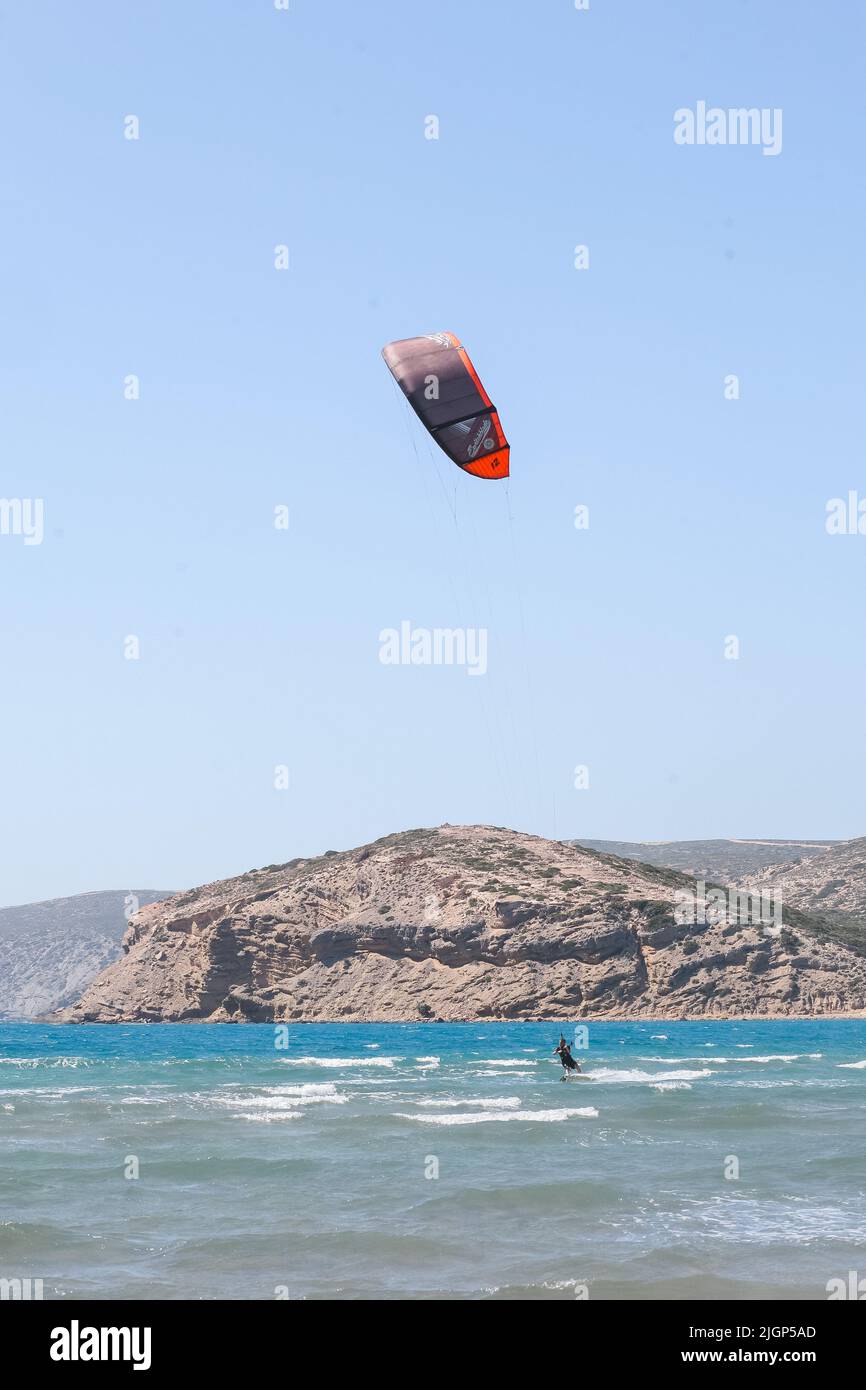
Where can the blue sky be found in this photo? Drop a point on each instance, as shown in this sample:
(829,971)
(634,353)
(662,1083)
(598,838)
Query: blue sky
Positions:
(260,647)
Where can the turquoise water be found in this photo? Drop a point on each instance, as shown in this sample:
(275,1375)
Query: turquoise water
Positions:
(308,1171)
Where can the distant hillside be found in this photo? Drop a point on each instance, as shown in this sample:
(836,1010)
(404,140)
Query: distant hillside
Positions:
(719,861)
(50,951)
(824,878)
(463,922)
(830,886)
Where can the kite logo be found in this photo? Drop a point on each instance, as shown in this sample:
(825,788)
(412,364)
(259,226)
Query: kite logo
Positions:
(480,438)
(438,646)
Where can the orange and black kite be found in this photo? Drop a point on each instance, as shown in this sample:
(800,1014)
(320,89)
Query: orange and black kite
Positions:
(444,390)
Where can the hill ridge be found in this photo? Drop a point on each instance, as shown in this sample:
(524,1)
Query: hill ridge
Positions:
(463,922)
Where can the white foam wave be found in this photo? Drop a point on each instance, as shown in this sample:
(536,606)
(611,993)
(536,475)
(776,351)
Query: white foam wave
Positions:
(784,1057)
(339,1063)
(486,1116)
(281,1098)
(765,1085)
(678,1061)
(310,1093)
(762,1222)
(267,1118)
(612,1074)
(44,1061)
(497,1103)
(45,1092)
(504,1062)
(502,1075)
(726,1061)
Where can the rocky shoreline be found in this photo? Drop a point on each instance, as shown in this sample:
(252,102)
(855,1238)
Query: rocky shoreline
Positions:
(465,923)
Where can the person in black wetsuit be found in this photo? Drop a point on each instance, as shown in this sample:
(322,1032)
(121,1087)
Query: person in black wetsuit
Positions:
(563,1051)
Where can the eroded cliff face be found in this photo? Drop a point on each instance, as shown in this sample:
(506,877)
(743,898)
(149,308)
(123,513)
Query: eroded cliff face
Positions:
(458,922)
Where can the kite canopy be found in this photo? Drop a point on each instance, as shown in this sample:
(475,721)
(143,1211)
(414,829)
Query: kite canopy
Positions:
(443,388)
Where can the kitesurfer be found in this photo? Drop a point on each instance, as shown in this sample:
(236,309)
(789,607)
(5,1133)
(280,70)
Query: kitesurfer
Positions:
(563,1051)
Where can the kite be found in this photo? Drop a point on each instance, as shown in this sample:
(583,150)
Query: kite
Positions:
(443,388)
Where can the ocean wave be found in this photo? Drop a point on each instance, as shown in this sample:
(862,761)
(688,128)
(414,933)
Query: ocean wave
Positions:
(851,1066)
(762,1222)
(340,1063)
(521,1291)
(309,1093)
(45,1061)
(46,1092)
(505,1062)
(497,1103)
(486,1116)
(495,1061)
(725,1061)
(268,1117)
(282,1098)
(779,1057)
(145,1100)
(612,1074)
(766,1085)
(549,1289)
(255,1104)
(678,1061)
(510,1075)
(672,1086)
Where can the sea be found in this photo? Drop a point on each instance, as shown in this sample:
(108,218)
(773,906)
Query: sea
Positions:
(435,1161)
